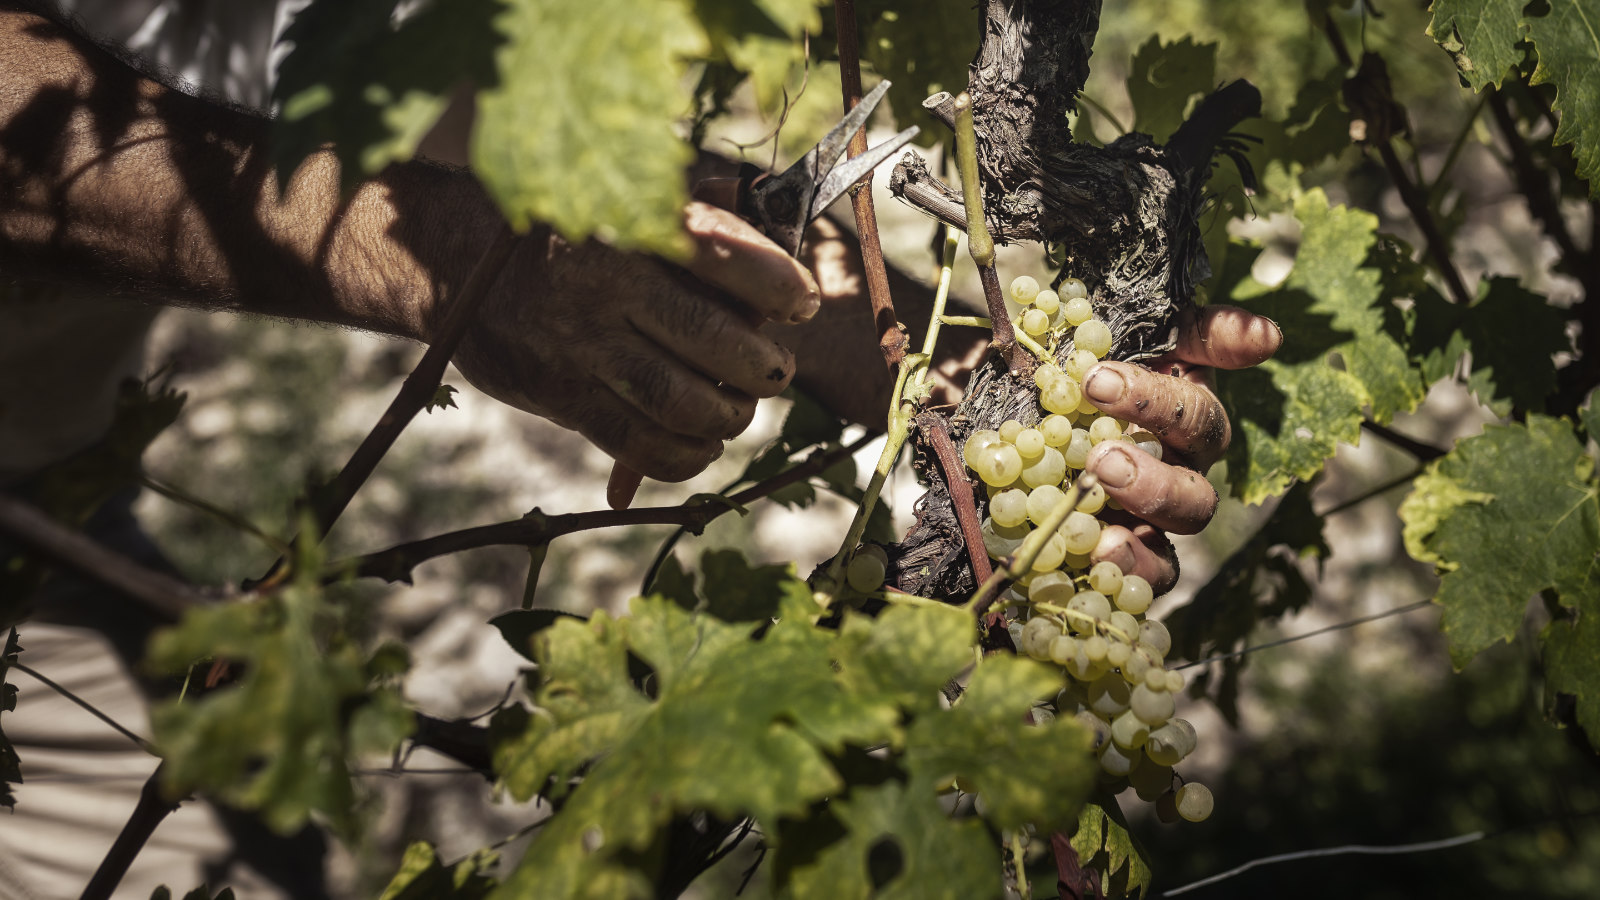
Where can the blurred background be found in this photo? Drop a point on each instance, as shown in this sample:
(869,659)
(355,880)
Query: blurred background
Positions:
(1360,736)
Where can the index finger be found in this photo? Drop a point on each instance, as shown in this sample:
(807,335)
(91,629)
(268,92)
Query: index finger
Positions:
(733,255)
(1226,337)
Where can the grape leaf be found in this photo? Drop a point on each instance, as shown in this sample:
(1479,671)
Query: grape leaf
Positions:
(1164,78)
(1292,412)
(760,38)
(308,700)
(922,49)
(1104,843)
(1498,536)
(10,765)
(1569,58)
(580,130)
(1482,35)
(423,877)
(371,84)
(1025,773)
(735,726)
(899,843)
(1512,335)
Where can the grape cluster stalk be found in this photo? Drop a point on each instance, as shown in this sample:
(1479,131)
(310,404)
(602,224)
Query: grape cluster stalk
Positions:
(1088,618)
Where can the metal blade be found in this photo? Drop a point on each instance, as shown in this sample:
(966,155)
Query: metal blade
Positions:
(853,170)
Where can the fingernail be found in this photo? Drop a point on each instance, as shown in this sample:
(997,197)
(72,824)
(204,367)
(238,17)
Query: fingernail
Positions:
(1105,385)
(1115,468)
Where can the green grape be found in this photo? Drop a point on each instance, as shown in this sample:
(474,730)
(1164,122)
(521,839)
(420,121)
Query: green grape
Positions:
(1057,430)
(1050,467)
(1054,588)
(1077,450)
(1148,442)
(1087,407)
(1174,681)
(1114,760)
(1103,428)
(1081,530)
(1194,801)
(1024,288)
(865,573)
(1035,322)
(1061,396)
(1063,648)
(1129,731)
(1090,603)
(999,464)
(1041,500)
(1099,728)
(1094,337)
(1029,442)
(1105,577)
(1077,311)
(1154,635)
(1047,302)
(1000,541)
(1118,654)
(1073,289)
(1093,500)
(1152,707)
(1009,429)
(1135,595)
(1095,647)
(977,443)
(1076,561)
(1150,780)
(1037,635)
(1156,679)
(1108,696)
(1081,667)
(1047,374)
(1078,364)
(1009,508)
(1134,667)
(1051,554)
(1124,623)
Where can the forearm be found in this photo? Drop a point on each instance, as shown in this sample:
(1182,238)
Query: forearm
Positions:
(111,178)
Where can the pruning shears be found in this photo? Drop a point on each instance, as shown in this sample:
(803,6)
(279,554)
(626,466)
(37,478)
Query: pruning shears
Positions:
(783,205)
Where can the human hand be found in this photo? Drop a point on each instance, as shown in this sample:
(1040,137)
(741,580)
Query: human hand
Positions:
(1171,398)
(656,364)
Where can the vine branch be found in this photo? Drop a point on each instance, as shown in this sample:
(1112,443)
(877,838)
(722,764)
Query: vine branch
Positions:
(149,812)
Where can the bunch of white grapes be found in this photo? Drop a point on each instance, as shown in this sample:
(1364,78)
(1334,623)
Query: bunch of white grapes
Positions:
(1088,618)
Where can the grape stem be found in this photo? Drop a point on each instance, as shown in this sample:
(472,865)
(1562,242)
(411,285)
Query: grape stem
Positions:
(979,243)
(1022,560)
(972,321)
(1019,860)
(1102,626)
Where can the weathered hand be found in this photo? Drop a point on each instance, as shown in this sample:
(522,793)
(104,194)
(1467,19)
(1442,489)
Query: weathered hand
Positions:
(1173,399)
(656,364)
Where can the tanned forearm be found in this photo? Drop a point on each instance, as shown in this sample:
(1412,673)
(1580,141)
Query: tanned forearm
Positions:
(111,178)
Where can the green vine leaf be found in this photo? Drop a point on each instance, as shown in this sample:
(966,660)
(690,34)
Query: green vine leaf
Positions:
(1104,844)
(730,725)
(1568,42)
(1511,333)
(1499,537)
(922,49)
(308,700)
(422,876)
(371,86)
(1482,35)
(1293,411)
(900,844)
(1164,78)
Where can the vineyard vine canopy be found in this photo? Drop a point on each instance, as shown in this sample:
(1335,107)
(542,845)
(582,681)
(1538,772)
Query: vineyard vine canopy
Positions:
(893,741)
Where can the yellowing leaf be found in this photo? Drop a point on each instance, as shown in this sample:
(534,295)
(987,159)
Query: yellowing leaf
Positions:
(1568,43)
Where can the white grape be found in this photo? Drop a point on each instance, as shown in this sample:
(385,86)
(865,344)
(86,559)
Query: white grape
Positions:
(1047,302)
(1009,508)
(1092,500)
(1105,577)
(976,444)
(1077,449)
(1152,446)
(1061,396)
(1057,430)
(1129,731)
(1117,761)
(1174,681)
(1093,336)
(1024,288)
(1135,595)
(1118,654)
(1049,468)
(1092,604)
(1152,707)
(1077,311)
(1150,780)
(1103,428)
(1035,322)
(1029,442)
(1155,635)
(1108,695)
(1054,588)
(1000,541)
(1063,648)
(1073,288)
(865,572)
(1125,623)
(999,464)
(1051,554)
(1078,364)
(1045,374)
(1194,801)
(1009,429)
(1081,531)
(1041,500)
(1156,679)
(1096,647)
(1037,635)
